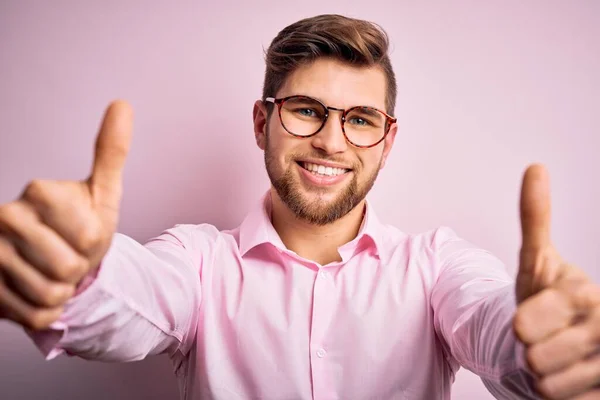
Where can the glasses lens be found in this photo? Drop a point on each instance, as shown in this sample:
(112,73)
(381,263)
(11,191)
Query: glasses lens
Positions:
(302,116)
(365,126)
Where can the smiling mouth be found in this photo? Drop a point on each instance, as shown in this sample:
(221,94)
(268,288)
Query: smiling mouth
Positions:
(321,170)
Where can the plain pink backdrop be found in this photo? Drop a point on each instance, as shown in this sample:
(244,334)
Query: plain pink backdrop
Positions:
(484,89)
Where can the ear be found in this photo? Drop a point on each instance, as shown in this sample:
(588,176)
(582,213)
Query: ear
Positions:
(388,142)
(259,114)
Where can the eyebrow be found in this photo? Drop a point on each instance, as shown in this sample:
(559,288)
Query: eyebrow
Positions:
(368,109)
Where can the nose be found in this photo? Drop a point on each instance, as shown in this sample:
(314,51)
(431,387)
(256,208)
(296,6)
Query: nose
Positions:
(331,138)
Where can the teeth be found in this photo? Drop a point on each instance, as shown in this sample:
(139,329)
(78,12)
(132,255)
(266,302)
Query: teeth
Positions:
(323,170)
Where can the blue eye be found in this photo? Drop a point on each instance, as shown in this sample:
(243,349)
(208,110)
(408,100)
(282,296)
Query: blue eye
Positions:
(307,112)
(359,121)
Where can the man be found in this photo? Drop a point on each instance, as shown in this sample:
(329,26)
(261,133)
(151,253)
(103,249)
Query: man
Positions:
(312,297)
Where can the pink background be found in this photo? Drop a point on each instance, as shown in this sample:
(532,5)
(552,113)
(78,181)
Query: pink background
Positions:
(484,89)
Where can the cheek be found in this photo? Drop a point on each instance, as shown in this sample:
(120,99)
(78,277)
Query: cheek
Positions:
(279,147)
(285,147)
(370,160)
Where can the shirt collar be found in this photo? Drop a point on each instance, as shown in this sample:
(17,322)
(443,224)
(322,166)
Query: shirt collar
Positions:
(257,230)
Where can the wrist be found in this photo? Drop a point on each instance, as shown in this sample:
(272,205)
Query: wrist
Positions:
(87,280)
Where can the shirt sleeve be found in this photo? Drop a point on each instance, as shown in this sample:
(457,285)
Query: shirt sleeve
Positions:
(143,300)
(474,302)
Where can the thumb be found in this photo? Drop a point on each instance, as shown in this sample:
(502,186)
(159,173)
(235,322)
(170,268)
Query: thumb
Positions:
(112,146)
(535,209)
(536,266)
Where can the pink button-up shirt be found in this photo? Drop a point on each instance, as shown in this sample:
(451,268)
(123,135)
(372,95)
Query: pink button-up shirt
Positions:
(242,317)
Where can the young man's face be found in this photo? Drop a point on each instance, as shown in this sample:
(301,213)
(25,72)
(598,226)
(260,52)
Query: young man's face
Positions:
(313,197)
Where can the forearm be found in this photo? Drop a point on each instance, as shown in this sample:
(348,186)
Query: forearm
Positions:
(483,341)
(140,303)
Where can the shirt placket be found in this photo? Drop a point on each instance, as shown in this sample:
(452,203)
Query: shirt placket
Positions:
(320,357)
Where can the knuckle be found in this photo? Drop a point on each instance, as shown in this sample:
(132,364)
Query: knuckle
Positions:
(591,374)
(533,360)
(589,291)
(38,319)
(35,190)
(71,271)
(595,328)
(522,325)
(547,389)
(7,212)
(7,253)
(53,295)
(89,237)
(550,301)
(594,290)
(586,343)
(15,215)
(576,290)
(551,297)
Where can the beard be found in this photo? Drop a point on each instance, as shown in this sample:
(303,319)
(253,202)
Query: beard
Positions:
(319,211)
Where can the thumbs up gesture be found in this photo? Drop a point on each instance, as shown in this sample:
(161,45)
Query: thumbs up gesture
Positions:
(558,314)
(56,232)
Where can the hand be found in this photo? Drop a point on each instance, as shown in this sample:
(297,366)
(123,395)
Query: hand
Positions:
(558,314)
(56,232)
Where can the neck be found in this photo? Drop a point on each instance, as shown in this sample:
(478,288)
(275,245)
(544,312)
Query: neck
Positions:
(314,242)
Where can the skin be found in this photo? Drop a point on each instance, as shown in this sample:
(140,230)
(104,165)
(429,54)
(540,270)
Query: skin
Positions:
(558,314)
(57,232)
(315,220)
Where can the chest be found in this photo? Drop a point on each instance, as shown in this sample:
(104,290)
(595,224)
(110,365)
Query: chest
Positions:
(281,327)
(362,310)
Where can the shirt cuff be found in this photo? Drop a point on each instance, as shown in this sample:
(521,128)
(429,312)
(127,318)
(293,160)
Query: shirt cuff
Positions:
(48,340)
(87,280)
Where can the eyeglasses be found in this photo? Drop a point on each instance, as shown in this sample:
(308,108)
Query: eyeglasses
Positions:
(303,116)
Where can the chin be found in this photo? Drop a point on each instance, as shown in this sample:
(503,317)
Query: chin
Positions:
(321,196)
(315,204)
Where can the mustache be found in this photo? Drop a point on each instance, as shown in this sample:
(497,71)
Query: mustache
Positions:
(321,157)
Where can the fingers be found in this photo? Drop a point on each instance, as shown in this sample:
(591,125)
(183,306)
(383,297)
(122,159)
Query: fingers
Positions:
(561,328)
(535,208)
(66,208)
(593,394)
(576,380)
(554,309)
(112,146)
(16,309)
(40,245)
(28,282)
(51,237)
(566,347)
(532,322)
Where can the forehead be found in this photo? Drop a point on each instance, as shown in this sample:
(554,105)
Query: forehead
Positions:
(338,84)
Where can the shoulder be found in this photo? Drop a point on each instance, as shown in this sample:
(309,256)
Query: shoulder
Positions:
(435,247)
(199,243)
(191,237)
(430,241)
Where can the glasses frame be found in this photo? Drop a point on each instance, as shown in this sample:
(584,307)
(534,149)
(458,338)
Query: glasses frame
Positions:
(279,102)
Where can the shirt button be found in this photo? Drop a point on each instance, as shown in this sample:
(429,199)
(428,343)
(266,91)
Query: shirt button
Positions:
(323,274)
(321,353)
